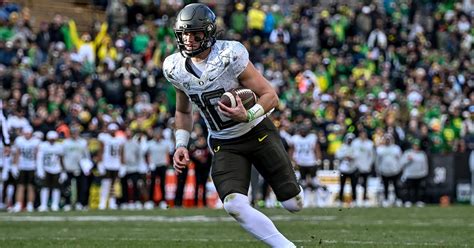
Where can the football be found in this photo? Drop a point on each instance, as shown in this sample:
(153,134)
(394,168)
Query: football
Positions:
(247,96)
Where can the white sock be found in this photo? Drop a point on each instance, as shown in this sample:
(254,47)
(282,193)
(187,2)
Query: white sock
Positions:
(56,196)
(10,191)
(307,197)
(44,195)
(294,204)
(253,221)
(112,201)
(104,192)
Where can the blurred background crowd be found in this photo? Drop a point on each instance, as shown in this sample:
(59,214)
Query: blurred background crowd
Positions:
(398,67)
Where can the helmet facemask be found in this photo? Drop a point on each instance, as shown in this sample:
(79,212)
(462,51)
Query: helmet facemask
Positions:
(195,18)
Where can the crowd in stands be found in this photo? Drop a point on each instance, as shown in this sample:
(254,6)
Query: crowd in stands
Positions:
(398,67)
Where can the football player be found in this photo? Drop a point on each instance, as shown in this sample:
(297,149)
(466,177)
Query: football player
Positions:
(305,150)
(51,170)
(111,162)
(201,72)
(24,163)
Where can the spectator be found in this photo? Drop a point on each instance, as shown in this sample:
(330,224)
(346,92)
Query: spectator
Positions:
(415,170)
(364,158)
(389,167)
(77,163)
(347,167)
(158,157)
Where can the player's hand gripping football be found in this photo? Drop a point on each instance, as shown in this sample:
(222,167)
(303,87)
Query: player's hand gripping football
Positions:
(180,159)
(239,113)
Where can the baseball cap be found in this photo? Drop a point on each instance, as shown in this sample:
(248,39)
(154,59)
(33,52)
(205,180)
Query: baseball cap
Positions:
(52,135)
(27,129)
(112,127)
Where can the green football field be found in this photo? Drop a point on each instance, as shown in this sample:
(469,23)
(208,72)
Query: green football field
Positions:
(333,227)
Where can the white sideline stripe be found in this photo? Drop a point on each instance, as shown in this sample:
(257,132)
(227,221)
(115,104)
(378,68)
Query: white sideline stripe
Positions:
(112,218)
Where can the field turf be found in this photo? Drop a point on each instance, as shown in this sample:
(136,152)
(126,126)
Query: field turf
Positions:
(332,227)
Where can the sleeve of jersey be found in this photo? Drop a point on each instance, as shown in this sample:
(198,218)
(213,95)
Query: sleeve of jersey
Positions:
(240,58)
(102,137)
(168,72)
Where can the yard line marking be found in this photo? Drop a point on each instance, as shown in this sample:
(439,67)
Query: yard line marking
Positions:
(112,218)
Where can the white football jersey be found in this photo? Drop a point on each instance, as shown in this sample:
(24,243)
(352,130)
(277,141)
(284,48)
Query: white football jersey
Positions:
(27,149)
(74,151)
(226,61)
(304,152)
(111,159)
(49,156)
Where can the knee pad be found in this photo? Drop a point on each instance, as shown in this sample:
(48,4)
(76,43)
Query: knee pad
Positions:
(294,204)
(234,203)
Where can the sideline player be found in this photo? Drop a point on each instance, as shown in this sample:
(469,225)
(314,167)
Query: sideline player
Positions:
(306,152)
(201,72)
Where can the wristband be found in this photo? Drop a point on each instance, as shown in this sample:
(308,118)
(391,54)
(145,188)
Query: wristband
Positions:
(182,138)
(255,112)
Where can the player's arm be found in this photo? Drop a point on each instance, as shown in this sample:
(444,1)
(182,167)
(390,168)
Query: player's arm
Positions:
(183,115)
(254,80)
(317,150)
(184,125)
(268,99)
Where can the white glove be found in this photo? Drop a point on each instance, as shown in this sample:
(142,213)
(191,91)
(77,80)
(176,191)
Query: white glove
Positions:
(15,172)
(62,177)
(101,169)
(40,174)
(122,171)
(86,166)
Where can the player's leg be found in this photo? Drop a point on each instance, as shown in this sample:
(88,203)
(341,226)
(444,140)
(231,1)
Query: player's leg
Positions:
(151,188)
(31,193)
(125,200)
(113,197)
(342,183)
(56,192)
(306,185)
(353,176)
(364,177)
(231,176)
(162,175)
(178,200)
(44,194)
(20,192)
(10,187)
(105,185)
(274,164)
